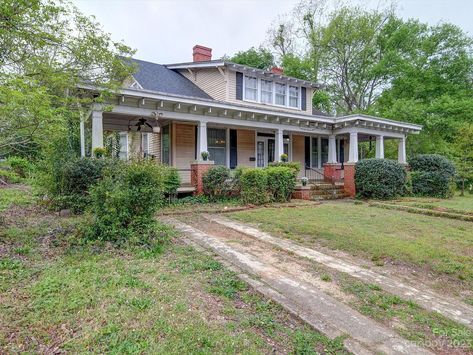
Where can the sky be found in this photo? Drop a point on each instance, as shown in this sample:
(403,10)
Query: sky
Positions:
(164,31)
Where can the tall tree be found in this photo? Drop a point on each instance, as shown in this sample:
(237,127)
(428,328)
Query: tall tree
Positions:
(260,58)
(46,49)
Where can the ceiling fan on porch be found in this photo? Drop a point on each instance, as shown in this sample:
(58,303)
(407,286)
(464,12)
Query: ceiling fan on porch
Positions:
(141,122)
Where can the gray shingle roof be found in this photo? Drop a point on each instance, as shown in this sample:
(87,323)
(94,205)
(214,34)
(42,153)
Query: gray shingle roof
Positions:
(156,77)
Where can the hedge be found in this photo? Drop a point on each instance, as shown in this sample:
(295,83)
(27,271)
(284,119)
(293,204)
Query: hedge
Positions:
(214,182)
(254,186)
(380,179)
(432,175)
(281,182)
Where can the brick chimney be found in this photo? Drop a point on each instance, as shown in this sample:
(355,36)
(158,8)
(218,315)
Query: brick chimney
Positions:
(277,70)
(201,53)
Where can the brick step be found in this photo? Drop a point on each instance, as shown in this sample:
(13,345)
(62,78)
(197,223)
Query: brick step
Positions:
(327,187)
(329,194)
(329,197)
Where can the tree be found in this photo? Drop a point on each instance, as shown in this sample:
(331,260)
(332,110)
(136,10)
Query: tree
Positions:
(463,156)
(46,49)
(260,58)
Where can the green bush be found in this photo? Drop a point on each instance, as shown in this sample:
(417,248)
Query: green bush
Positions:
(281,182)
(172,180)
(9,176)
(254,186)
(214,182)
(296,166)
(433,163)
(432,184)
(67,182)
(380,179)
(432,175)
(19,165)
(123,206)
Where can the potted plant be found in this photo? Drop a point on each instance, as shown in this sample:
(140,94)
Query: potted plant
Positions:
(304,180)
(99,152)
(284,158)
(205,155)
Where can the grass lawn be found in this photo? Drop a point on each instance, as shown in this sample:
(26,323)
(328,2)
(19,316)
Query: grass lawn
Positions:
(460,204)
(57,297)
(443,245)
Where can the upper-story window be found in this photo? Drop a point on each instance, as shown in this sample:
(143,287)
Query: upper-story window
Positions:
(266,91)
(251,88)
(271,92)
(280,94)
(293,96)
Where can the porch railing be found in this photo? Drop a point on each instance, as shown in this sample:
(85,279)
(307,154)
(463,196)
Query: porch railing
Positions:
(318,175)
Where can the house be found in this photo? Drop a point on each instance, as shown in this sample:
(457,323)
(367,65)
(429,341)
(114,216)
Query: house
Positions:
(241,115)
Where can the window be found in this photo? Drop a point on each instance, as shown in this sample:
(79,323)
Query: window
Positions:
(251,88)
(266,91)
(293,96)
(315,153)
(217,145)
(123,145)
(145,143)
(280,94)
(166,146)
(324,150)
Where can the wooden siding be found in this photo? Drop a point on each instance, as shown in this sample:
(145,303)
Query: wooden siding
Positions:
(245,147)
(155,145)
(184,148)
(209,80)
(298,149)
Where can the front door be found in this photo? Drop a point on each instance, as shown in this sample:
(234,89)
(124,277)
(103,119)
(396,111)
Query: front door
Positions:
(265,148)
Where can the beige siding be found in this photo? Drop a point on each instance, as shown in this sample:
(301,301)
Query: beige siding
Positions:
(245,147)
(209,80)
(298,151)
(184,148)
(155,145)
(232,98)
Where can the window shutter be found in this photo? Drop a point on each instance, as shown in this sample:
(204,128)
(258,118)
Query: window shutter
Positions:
(233,149)
(303,99)
(239,86)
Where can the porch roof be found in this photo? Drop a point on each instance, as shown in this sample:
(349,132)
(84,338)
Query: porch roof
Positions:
(153,103)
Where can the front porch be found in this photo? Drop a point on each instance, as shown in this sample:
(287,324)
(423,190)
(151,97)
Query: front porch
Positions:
(176,130)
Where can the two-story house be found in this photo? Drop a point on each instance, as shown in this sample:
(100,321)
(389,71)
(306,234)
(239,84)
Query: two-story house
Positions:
(241,115)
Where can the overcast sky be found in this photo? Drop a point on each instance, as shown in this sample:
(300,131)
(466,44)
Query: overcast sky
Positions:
(164,31)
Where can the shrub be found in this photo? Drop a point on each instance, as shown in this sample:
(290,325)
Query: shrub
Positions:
(123,206)
(254,186)
(19,165)
(293,165)
(432,162)
(281,182)
(432,184)
(172,180)
(9,176)
(214,182)
(68,181)
(379,179)
(432,175)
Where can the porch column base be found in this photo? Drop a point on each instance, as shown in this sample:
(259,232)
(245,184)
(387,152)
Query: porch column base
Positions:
(333,171)
(198,169)
(349,179)
(301,193)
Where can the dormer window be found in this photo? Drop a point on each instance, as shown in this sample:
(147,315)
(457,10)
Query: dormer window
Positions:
(270,92)
(251,88)
(266,91)
(294,96)
(280,94)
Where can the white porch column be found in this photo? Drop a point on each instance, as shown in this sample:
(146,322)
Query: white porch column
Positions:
(82,137)
(279,145)
(353,154)
(97,130)
(332,149)
(379,147)
(401,151)
(201,139)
